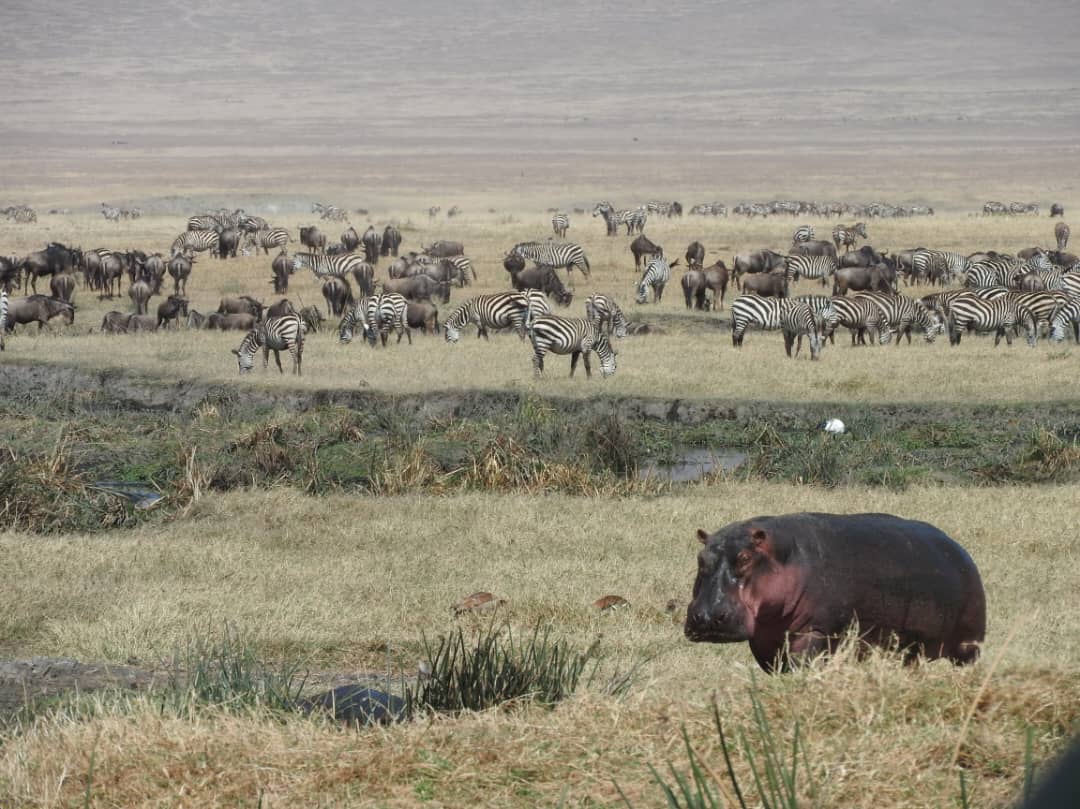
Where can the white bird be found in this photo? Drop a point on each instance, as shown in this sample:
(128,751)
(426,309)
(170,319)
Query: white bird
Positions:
(833,426)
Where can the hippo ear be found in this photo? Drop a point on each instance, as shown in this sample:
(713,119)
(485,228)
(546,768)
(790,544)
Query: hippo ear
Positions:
(702,536)
(759,538)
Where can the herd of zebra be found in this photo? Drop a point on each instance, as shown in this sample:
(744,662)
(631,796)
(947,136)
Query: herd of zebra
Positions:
(824,210)
(114,214)
(22,214)
(1019,209)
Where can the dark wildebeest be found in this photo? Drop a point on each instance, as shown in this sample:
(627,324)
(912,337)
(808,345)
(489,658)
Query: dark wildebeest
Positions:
(1061,233)
(62,286)
(862,279)
(37,308)
(282,267)
(757,262)
(115,322)
(1030,252)
(1057,209)
(10,272)
(280,309)
(179,267)
(1063,259)
(391,241)
(642,247)
(815,247)
(238,322)
(423,316)
(228,242)
(418,288)
(312,317)
(693,287)
(514,263)
(170,310)
(767,284)
(111,269)
(338,295)
(372,242)
(716,279)
(153,272)
(364,275)
(695,255)
(243,304)
(905,261)
(196,320)
(140,293)
(350,239)
(313,238)
(53,259)
(865,256)
(444,249)
(544,279)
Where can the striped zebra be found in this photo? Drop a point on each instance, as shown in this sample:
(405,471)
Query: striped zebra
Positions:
(1070,283)
(1039,307)
(769,314)
(611,218)
(463,268)
(360,313)
(554,254)
(602,311)
(331,212)
(1066,315)
(501,310)
(203,221)
(3,314)
(803,233)
(819,267)
(656,276)
(574,336)
(970,312)
(110,213)
(389,312)
(324,266)
(560,223)
(267,238)
(823,311)
(900,314)
(276,334)
(634,219)
(196,241)
(859,316)
(938,266)
(846,235)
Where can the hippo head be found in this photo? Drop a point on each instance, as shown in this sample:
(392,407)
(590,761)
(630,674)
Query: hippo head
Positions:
(739,580)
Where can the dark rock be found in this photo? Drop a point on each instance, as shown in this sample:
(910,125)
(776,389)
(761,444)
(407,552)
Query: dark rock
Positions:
(353,703)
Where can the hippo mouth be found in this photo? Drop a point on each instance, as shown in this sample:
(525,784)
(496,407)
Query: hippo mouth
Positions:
(712,634)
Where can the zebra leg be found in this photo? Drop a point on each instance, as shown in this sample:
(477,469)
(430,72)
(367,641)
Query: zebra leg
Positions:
(538,361)
(588,367)
(297,352)
(789,341)
(574,360)
(277,359)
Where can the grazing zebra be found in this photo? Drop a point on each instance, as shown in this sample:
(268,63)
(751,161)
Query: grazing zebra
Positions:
(196,241)
(560,223)
(502,310)
(602,311)
(573,336)
(463,268)
(267,238)
(846,235)
(823,311)
(820,267)
(899,314)
(1039,307)
(710,209)
(656,276)
(361,313)
(792,316)
(552,254)
(994,209)
(323,266)
(859,315)
(3,314)
(803,233)
(994,272)
(110,213)
(970,312)
(389,312)
(276,334)
(1061,233)
(1067,314)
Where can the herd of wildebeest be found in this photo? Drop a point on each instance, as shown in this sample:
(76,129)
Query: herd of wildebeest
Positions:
(1036,290)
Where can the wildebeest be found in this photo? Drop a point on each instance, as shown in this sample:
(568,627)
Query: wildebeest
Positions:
(179,268)
(54,258)
(115,322)
(423,316)
(767,284)
(756,262)
(860,279)
(312,317)
(240,305)
(10,272)
(350,239)
(170,310)
(693,287)
(364,275)
(814,247)
(544,279)
(140,293)
(418,288)
(695,255)
(1061,233)
(444,249)
(391,241)
(228,242)
(62,286)
(281,308)
(372,242)
(338,295)
(716,279)
(865,256)
(282,267)
(313,238)
(643,247)
(239,322)
(1057,209)
(153,271)
(37,308)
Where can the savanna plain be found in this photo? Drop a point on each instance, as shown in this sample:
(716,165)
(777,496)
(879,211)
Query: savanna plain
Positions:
(327,523)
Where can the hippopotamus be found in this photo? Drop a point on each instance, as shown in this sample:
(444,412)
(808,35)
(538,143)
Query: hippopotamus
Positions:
(803,579)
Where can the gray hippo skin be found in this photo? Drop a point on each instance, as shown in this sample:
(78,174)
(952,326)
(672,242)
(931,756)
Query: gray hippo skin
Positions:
(805,578)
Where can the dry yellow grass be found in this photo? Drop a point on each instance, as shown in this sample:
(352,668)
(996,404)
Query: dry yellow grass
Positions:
(340,578)
(693,359)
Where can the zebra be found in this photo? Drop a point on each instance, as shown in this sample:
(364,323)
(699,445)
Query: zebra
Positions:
(501,310)
(824,313)
(1070,283)
(573,336)
(634,219)
(792,316)
(845,235)
(603,311)
(899,314)
(1061,233)
(196,241)
(1069,313)
(267,238)
(276,334)
(110,213)
(938,266)
(821,267)
(552,254)
(611,218)
(803,233)
(560,223)
(970,312)
(463,267)
(1040,307)
(388,312)
(3,314)
(433,211)
(331,212)
(859,315)
(362,313)
(203,222)
(324,266)
(656,276)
